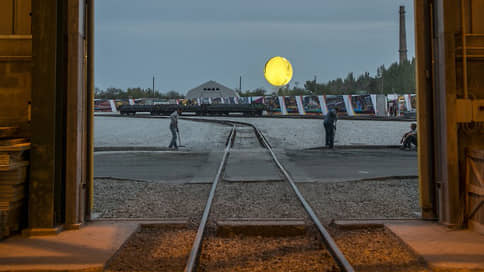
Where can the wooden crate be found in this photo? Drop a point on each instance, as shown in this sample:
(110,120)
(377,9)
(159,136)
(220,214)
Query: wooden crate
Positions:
(13,153)
(475,189)
(7,132)
(14,177)
(12,217)
(13,184)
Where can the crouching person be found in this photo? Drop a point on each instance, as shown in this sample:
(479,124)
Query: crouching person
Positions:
(409,138)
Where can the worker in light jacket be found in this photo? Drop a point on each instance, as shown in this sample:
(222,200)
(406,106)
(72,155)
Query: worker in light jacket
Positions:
(174,128)
(330,127)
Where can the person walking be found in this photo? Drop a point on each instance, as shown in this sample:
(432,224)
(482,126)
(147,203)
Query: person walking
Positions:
(330,127)
(174,128)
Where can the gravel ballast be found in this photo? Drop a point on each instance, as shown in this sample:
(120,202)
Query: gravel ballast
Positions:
(363,199)
(139,199)
(282,133)
(132,132)
(307,133)
(377,250)
(256,253)
(154,249)
(341,200)
(256,200)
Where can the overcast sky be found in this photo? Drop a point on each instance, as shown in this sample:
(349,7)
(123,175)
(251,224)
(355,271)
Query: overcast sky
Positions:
(187,42)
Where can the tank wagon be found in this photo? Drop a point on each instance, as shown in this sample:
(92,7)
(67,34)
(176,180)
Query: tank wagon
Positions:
(202,110)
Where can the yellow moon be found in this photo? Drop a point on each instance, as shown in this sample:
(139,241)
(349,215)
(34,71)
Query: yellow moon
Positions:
(278,71)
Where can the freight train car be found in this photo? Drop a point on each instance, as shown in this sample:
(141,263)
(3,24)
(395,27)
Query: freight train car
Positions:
(204,109)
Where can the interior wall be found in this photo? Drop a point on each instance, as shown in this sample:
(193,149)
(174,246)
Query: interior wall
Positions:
(450,85)
(471,134)
(15,64)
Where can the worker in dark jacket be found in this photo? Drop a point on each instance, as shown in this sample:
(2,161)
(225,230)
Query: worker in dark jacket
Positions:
(174,128)
(330,127)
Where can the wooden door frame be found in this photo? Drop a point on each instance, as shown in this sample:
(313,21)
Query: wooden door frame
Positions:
(45,92)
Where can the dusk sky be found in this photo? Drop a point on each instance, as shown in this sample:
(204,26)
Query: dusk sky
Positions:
(186,43)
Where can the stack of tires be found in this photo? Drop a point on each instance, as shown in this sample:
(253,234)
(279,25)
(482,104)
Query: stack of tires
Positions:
(14,165)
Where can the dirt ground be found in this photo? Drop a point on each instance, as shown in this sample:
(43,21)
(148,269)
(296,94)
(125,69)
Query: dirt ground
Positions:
(154,249)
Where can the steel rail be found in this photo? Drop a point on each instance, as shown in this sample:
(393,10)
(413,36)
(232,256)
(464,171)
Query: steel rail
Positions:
(327,239)
(195,252)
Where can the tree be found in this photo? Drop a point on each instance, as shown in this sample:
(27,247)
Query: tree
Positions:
(398,77)
(256,92)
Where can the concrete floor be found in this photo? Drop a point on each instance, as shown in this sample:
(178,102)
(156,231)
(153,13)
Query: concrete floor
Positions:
(169,167)
(443,249)
(248,160)
(252,165)
(304,165)
(348,164)
(199,160)
(89,248)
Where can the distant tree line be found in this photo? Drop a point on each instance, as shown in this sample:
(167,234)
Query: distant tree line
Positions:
(116,93)
(256,92)
(397,78)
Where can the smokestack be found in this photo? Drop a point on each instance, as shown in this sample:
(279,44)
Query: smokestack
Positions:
(403,36)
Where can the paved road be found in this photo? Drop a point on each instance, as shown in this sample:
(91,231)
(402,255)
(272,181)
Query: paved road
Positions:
(169,167)
(348,164)
(304,166)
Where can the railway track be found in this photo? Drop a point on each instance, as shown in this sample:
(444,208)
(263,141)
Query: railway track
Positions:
(247,136)
(197,245)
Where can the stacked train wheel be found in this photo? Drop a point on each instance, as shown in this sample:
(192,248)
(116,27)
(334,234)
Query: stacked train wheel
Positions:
(13,181)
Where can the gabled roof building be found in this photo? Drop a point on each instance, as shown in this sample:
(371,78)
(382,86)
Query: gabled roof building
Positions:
(211,89)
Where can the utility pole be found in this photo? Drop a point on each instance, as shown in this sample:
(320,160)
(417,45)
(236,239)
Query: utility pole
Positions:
(240,84)
(153,86)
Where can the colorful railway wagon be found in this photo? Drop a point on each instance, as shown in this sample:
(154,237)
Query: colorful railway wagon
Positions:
(204,109)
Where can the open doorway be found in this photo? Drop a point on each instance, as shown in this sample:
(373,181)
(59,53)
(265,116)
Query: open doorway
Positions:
(341,61)
(151,56)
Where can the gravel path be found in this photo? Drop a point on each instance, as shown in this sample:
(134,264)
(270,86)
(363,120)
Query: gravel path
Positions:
(133,199)
(282,133)
(362,199)
(124,131)
(307,133)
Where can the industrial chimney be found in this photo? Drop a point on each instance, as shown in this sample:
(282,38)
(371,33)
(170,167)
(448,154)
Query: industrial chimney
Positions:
(403,36)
